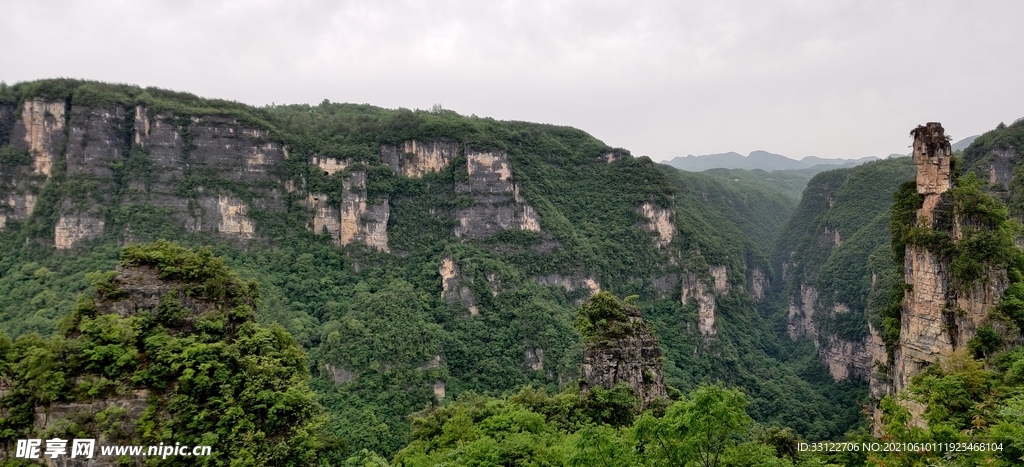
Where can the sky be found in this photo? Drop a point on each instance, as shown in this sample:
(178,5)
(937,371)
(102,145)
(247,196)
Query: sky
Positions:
(661,79)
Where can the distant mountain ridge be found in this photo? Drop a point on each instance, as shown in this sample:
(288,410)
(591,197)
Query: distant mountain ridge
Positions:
(758,160)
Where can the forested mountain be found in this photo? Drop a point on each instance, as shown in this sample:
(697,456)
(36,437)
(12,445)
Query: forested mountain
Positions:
(760,160)
(432,282)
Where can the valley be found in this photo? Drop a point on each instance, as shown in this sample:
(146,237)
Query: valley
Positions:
(422,287)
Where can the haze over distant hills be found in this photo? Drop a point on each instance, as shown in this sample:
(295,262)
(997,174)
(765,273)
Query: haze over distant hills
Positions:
(758,160)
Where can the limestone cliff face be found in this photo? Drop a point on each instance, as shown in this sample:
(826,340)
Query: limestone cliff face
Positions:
(42,130)
(326,218)
(362,221)
(497,204)
(191,163)
(211,173)
(455,287)
(759,283)
(844,358)
(703,293)
(634,359)
(935,317)
(415,158)
(660,221)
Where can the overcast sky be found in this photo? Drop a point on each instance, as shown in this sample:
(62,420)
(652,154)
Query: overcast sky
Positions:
(662,79)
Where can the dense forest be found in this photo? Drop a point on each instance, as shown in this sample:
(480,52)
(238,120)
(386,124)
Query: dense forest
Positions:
(452,337)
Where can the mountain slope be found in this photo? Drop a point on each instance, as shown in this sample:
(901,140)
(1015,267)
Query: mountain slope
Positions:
(415,255)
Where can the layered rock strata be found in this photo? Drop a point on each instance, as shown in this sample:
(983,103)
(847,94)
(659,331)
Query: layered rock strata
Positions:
(497,203)
(935,318)
(455,287)
(634,360)
(416,159)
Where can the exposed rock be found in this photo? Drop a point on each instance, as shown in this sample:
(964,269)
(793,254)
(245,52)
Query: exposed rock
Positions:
(495,282)
(800,322)
(42,130)
(232,217)
(330,165)
(455,287)
(338,374)
(935,319)
(696,289)
(220,145)
(1000,170)
(758,284)
(73,228)
(325,217)
(56,415)
(721,278)
(20,205)
(535,358)
(497,202)
(435,362)
(415,159)
(665,285)
(830,237)
(634,359)
(438,390)
(96,140)
(570,284)
(931,155)
(360,221)
(661,221)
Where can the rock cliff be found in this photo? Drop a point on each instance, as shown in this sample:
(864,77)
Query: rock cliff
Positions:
(937,315)
(497,204)
(832,254)
(626,354)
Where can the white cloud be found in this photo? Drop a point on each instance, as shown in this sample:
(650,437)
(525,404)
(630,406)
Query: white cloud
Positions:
(834,79)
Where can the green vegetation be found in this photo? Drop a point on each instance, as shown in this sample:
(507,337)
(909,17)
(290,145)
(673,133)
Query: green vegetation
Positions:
(837,241)
(790,183)
(707,427)
(384,342)
(214,376)
(968,401)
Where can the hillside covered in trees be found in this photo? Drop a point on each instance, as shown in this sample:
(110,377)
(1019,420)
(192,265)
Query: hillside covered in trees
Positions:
(431,266)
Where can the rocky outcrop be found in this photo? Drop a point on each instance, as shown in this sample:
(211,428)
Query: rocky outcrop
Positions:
(497,203)
(41,130)
(338,374)
(570,284)
(660,221)
(232,217)
(931,156)
(633,359)
(1000,168)
(800,320)
(361,220)
(935,317)
(696,289)
(455,287)
(74,228)
(330,165)
(830,237)
(439,390)
(326,218)
(851,359)
(759,283)
(844,358)
(40,134)
(535,358)
(415,159)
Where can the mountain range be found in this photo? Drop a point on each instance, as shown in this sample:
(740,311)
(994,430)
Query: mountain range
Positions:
(758,160)
(343,284)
